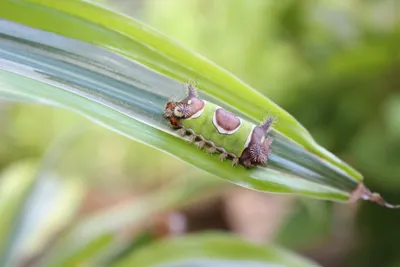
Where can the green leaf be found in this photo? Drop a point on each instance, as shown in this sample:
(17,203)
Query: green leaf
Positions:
(261,178)
(52,205)
(33,208)
(96,238)
(309,224)
(36,205)
(126,91)
(16,184)
(130,38)
(211,249)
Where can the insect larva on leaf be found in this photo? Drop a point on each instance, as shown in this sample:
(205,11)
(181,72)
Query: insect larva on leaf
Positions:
(220,131)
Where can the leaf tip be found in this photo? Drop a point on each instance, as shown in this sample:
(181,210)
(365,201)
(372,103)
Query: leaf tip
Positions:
(362,192)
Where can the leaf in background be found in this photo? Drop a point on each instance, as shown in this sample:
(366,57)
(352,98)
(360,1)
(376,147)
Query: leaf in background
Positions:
(129,98)
(50,208)
(16,182)
(33,210)
(40,207)
(98,237)
(211,249)
(307,226)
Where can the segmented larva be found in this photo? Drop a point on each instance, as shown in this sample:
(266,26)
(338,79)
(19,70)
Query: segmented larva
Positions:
(220,131)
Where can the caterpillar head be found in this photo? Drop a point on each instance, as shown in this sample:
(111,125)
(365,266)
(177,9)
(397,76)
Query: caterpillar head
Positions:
(187,108)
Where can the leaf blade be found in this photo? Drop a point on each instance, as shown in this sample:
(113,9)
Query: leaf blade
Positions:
(261,179)
(216,248)
(145,45)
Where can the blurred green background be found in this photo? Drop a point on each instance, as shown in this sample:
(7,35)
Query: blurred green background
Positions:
(334,65)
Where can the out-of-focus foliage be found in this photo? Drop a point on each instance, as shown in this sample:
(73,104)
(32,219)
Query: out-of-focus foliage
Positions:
(211,249)
(16,183)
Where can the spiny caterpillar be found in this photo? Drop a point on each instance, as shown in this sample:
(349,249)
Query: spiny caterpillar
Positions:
(220,131)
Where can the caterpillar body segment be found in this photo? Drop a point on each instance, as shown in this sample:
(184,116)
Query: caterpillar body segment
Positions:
(232,140)
(220,131)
